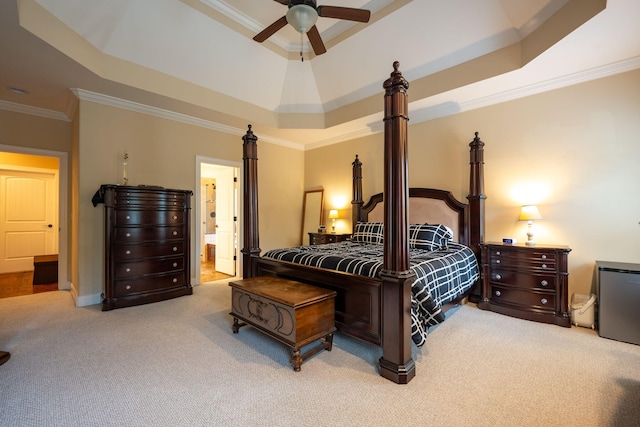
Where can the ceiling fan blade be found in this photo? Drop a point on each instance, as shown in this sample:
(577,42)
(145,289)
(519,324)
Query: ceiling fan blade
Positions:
(316,41)
(348,13)
(270,30)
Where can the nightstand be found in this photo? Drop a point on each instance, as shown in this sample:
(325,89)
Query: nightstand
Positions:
(528,282)
(323,238)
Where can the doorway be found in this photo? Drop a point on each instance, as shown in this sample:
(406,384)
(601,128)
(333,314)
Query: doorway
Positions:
(216,207)
(34,225)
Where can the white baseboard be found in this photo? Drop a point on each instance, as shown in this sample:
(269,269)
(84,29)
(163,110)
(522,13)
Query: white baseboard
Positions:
(83,301)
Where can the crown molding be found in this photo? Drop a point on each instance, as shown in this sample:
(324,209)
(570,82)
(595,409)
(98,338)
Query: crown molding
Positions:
(33,111)
(111,101)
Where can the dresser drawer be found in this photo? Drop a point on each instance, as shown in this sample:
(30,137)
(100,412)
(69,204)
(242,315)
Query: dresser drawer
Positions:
(525,298)
(535,260)
(523,279)
(146,234)
(126,217)
(148,266)
(149,284)
(137,197)
(147,250)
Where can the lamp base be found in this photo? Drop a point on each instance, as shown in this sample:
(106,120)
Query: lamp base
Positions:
(530,243)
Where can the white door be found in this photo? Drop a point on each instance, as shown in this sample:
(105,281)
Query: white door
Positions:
(28,217)
(225,221)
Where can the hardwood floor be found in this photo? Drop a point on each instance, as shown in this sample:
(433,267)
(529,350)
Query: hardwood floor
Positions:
(208,272)
(21,283)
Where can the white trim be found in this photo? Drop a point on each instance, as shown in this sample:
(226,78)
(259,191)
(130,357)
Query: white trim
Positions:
(33,111)
(553,84)
(63,219)
(111,101)
(195,279)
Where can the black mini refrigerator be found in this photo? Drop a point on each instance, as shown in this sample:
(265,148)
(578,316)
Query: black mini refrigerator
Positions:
(618,287)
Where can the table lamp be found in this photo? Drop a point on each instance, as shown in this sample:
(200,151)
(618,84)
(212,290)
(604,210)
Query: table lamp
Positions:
(333,214)
(529,213)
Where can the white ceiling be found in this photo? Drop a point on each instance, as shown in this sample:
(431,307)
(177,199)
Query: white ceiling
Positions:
(196,58)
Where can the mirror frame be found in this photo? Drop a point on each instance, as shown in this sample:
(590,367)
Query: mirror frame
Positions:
(313,203)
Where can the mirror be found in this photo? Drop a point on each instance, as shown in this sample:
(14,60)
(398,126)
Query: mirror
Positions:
(312,207)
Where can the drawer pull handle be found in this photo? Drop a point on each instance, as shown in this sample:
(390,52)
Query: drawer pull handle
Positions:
(544,257)
(128,234)
(128,252)
(498,293)
(175,249)
(497,252)
(128,202)
(175,264)
(498,277)
(544,283)
(128,270)
(544,301)
(175,217)
(175,233)
(544,265)
(128,217)
(175,280)
(128,287)
(497,261)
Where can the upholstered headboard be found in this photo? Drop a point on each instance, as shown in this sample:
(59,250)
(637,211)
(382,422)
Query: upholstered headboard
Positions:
(427,205)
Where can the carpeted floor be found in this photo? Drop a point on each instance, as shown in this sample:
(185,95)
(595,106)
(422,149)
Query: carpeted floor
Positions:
(177,363)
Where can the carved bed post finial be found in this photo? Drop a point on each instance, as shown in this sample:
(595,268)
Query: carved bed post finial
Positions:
(396,363)
(356,202)
(251,240)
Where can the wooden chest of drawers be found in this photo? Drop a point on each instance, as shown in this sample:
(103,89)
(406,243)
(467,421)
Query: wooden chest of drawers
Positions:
(147,250)
(293,313)
(529,282)
(324,238)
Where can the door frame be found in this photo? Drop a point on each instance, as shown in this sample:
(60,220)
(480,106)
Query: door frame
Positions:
(200,160)
(63,197)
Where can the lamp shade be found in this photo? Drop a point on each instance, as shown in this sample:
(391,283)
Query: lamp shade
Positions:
(333,214)
(302,17)
(529,213)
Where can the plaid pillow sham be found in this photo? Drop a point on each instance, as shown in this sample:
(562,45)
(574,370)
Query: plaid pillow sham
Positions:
(368,232)
(429,236)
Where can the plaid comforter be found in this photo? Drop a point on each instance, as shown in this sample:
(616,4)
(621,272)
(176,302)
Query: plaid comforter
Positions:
(441,276)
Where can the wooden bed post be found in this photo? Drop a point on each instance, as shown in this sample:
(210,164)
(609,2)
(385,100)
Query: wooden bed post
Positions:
(396,363)
(476,195)
(476,199)
(356,202)
(251,240)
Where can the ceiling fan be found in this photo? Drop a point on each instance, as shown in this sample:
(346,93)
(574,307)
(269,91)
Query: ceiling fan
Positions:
(303,14)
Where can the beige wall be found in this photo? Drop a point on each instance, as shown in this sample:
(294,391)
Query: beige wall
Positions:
(576,147)
(163,152)
(578,144)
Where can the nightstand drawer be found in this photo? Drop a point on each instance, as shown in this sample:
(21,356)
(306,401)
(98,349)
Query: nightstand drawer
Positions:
(519,259)
(524,298)
(523,279)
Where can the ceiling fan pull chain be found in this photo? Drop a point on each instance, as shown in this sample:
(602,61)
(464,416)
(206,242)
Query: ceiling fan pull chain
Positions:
(301,57)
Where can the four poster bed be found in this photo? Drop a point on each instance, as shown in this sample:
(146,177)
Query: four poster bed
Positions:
(412,252)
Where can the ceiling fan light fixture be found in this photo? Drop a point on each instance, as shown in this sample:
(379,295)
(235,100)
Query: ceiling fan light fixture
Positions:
(302,17)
